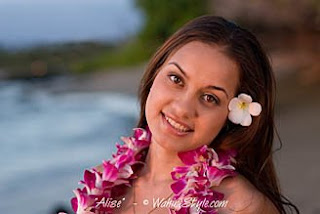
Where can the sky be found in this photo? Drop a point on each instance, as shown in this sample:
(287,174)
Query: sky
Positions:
(29,22)
(64,1)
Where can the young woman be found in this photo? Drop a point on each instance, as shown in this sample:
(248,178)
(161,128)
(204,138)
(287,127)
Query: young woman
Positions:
(207,113)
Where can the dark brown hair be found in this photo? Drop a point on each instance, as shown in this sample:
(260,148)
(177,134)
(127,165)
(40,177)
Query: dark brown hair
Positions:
(253,143)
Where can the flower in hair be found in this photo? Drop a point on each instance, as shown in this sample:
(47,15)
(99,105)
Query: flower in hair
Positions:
(242,108)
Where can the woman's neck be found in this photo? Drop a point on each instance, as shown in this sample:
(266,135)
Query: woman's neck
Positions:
(159,164)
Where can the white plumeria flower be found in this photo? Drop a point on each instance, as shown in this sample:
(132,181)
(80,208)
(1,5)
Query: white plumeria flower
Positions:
(241,108)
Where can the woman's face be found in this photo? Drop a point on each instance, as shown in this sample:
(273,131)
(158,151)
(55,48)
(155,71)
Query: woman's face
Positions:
(188,102)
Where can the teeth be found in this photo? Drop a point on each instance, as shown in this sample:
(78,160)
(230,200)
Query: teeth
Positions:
(176,125)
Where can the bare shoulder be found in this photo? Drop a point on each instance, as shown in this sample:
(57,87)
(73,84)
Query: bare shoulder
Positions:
(243,197)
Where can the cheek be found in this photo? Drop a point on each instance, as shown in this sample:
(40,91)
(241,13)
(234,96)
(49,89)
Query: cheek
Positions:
(158,94)
(155,100)
(150,105)
(210,126)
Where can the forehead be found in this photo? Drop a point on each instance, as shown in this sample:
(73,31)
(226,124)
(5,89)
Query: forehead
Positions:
(206,63)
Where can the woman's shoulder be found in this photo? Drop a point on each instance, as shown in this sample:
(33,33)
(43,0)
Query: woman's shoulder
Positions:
(242,197)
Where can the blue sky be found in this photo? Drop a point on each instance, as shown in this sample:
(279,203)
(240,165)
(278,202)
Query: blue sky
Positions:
(64,1)
(25,22)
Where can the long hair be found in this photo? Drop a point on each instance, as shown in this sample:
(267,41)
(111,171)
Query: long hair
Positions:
(253,143)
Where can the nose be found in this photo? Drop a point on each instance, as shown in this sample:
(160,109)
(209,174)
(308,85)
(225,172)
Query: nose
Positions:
(184,107)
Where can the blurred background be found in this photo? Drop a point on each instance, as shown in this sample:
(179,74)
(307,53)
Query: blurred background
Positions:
(69,74)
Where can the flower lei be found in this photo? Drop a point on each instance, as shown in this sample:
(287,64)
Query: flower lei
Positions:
(203,170)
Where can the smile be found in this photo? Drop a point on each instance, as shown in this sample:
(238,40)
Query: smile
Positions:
(177,127)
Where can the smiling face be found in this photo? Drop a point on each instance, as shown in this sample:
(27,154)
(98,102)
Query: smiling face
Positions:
(187,105)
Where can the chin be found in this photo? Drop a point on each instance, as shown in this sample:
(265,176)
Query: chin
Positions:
(172,145)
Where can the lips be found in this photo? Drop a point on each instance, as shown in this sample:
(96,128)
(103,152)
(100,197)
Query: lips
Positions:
(177,125)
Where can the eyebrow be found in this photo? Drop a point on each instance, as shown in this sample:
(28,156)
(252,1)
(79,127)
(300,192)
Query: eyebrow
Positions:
(218,88)
(208,87)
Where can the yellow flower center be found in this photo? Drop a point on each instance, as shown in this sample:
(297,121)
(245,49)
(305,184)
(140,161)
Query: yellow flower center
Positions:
(243,105)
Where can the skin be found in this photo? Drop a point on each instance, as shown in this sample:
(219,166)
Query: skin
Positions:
(185,98)
(202,109)
(243,198)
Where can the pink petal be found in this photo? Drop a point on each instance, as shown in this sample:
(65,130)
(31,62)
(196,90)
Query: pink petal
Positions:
(245,98)
(188,157)
(213,154)
(106,184)
(226,157)
(126,171)
(193,210)
(255,108)
(89,179)
(233,104)
(191,157)
(202,150)
(110,172)
(83,200)
(142,134)
(123,159)
(246,121)
(200,180)
(215,176)
(74,204)
(236,115)
(183,210)
(127,141)
(179,172)
(140,144)
(178,186)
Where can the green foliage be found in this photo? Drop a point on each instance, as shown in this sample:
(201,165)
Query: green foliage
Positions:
(130,54)
(58,58)
(164,17)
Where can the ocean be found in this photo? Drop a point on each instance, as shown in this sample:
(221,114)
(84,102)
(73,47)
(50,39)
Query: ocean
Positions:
(25,23)
(48,139)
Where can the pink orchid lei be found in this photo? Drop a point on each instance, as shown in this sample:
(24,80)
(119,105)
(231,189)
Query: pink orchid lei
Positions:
(203,170)
(117,174)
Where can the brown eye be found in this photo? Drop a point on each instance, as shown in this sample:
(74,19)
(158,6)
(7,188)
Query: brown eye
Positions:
(210,98)
(175,79)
